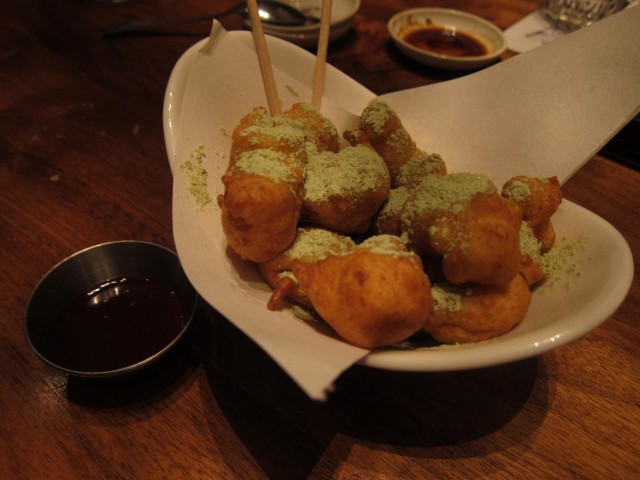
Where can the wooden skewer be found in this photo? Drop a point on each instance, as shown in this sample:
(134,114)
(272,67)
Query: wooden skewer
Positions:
(263,58)
(321,57)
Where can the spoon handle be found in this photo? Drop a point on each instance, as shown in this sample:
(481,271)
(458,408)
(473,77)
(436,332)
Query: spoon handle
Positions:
(131,26)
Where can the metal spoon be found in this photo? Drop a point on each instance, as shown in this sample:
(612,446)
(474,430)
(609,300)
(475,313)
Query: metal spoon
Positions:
(272,12)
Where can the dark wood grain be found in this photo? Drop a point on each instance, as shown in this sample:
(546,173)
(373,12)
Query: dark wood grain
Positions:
(82,161)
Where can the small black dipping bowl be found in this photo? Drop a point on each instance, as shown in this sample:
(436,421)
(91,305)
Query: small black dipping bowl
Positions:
(110,309)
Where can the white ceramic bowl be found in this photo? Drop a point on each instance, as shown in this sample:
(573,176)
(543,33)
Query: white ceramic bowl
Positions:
(343,15)
(484,32)
(572,305)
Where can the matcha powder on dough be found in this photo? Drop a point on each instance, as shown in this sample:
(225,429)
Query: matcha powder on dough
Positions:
(350,172)
(197,177)
(376,115)
(447,298)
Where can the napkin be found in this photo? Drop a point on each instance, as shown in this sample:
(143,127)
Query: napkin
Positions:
(535,30)
(531,32)
(542,113)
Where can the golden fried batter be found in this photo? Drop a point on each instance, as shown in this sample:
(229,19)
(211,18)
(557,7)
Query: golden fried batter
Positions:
(410,175)
(531,267)
(462,218)
(539,198)
(309,246)
(319,129)
(376,295)
(261,204)
(388,219)
(546,235)
(472,313)
(344,191)
(436,197)
(257,130)
(481,243)
(386,134)
(264,181)
(418,167)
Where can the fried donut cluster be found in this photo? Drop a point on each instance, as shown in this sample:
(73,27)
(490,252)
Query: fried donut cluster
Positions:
(377,237)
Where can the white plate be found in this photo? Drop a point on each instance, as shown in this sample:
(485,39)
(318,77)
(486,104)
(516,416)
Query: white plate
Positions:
(235,289)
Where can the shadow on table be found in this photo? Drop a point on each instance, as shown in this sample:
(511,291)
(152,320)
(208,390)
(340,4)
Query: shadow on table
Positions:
(274,418)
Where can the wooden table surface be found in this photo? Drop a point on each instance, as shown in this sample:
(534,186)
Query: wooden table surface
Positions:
(83,161)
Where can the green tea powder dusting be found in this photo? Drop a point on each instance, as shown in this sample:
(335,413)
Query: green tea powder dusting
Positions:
(517,191)
(529,244)
(446,298)
(394,204)
(197,177)
(292,90)
(265,163)
(418,167)
(387,245)
(376,115)
(449,192)
(558,262)
(282,131)
(315,244)
(352,171)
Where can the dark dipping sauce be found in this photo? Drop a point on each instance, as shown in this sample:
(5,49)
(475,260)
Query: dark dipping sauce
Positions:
(445,41)
(118,324)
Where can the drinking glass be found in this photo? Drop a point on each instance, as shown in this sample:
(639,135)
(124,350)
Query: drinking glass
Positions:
(575,14)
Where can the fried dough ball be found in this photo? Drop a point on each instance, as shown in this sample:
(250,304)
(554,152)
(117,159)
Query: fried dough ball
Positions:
(419,166)
(261,204)
(386,134)
(264,182)
(434,198)
(258,130)
(264,185)
(321,131)
(388,219)
(531,267)
(344,191)
(472,313)
(539,198)
(462,218)
(356,137)
(287,133)
(309,246)
(480,244)
(376,295)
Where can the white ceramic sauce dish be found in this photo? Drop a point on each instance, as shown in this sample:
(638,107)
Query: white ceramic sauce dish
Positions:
(458,30)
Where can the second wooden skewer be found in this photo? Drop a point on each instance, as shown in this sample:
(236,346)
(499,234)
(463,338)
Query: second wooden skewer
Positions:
(321,56)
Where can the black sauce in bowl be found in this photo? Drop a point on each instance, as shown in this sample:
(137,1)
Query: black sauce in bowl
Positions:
(445,41)
(117,324)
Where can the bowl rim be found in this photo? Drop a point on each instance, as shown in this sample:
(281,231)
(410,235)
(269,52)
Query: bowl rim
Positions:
(122,370)
(395,19)
(348,18)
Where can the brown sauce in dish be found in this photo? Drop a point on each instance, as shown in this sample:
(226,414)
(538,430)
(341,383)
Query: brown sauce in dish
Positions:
(116,325)
(445,41)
